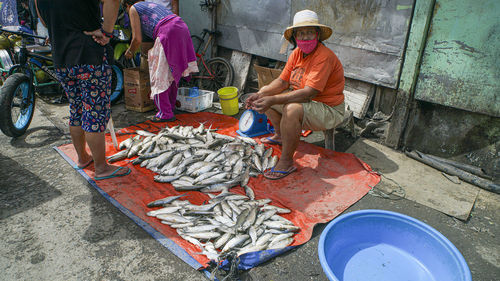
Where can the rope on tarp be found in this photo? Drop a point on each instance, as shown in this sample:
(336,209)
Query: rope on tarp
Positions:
(230,275)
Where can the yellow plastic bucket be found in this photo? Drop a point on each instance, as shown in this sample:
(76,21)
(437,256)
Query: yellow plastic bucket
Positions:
(228,97)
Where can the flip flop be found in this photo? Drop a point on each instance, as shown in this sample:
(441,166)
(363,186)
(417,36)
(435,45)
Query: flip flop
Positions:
(282,174)
(269,140)
(84,166)
(157,119)
(114,174)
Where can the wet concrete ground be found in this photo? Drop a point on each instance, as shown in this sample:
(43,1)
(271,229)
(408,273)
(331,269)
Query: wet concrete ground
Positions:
(55,226)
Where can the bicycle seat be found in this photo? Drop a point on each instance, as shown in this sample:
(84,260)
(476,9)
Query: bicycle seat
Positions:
(215,32)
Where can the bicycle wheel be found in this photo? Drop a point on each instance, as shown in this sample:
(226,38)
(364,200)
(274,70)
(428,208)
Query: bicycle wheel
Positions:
(17,105)
(116,84)
(217,74)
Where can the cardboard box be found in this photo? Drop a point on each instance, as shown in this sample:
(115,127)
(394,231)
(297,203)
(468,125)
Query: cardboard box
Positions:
(144,67)
(145,47)
(266,75)
(137,90)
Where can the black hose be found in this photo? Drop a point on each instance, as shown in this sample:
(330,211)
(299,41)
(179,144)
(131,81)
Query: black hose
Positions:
(449,169)
(468,168)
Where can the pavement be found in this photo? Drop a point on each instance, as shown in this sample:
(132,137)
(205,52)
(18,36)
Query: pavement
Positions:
(55,226)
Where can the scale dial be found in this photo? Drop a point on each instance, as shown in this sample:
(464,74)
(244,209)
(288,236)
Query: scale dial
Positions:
(246,121)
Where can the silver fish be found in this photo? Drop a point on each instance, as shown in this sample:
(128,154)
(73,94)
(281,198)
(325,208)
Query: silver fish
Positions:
(222,240)
(205,235)
(264,216)
(235,241)
(259,149)
(253,234)
(166,210)
(278,209)
(279,237)
(118,156)
(164,201)
(281,226)
(206,176)
(250,219)
(145,133)
(249,141)
(264,239)
(199,228)
(126,143)
(268,153)
(280,244)
(256,162)
(249,192)
(272,162)
(162,178)
(182,225)
(173,218)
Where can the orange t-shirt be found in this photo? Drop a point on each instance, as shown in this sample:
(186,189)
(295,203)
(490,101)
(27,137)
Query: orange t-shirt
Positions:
(320,70)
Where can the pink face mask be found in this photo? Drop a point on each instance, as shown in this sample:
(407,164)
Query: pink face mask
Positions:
(307,46)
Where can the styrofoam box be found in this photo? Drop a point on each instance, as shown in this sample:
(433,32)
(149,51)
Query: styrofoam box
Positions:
(194,104)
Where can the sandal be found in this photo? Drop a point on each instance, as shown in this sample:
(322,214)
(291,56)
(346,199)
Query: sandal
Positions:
(269,140)
(114,174)
(276,175)
(157,119)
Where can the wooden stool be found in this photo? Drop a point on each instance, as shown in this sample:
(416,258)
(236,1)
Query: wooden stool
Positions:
(330,134)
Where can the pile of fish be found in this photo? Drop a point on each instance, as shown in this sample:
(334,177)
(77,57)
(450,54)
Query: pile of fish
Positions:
(200,159)
(228,222)
(197,158)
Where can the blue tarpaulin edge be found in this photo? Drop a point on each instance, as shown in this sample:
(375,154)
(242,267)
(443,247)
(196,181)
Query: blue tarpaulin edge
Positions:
(164,241)
(253,259)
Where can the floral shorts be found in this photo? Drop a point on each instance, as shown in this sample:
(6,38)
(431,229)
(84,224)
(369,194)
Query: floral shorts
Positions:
(88,88)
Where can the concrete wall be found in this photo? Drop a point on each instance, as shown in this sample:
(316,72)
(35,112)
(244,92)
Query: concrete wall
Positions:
(194,17)
(447,132)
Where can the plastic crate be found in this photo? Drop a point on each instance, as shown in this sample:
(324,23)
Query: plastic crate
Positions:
(194,104)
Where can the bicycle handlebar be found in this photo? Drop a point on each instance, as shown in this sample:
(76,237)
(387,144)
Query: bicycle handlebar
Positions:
(22,33)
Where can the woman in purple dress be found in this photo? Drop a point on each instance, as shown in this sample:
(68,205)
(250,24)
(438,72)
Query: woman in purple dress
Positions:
(171,57)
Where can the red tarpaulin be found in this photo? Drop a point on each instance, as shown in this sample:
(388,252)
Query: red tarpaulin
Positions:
(325,184)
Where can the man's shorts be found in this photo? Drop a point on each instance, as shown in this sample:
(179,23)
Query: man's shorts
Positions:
(88,88)
(318,116)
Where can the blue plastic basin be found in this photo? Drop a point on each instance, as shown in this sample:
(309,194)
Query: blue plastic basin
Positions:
(381,245)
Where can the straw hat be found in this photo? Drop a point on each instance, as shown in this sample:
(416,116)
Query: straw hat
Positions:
(308,18)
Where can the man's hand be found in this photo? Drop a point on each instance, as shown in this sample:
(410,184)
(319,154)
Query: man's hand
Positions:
(250,100)
(98,36)
(262,104)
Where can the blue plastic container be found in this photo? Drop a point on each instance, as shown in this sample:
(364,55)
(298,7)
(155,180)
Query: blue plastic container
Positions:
(194,92)
(382,245)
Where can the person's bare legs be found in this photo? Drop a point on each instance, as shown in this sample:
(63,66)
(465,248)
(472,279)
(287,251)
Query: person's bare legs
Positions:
(291,127)
(275,118)
(78,139)
(97,144)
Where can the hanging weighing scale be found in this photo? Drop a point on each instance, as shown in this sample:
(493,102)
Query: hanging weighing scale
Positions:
(252,124)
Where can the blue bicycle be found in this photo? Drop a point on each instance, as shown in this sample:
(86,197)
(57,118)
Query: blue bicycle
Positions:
(17,96)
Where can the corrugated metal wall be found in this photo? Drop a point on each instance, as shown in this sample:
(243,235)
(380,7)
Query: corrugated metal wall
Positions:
(460,66)
(368,35)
